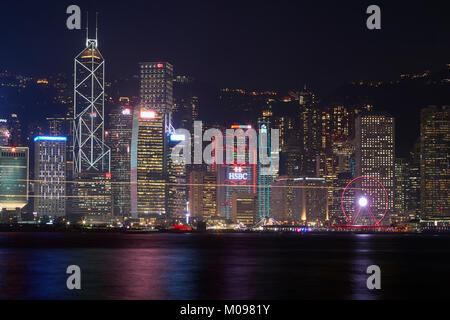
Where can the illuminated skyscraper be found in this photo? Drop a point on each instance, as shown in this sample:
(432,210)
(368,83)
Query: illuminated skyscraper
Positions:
(91,156)
(311,140)
(152,125)
(401,187)
(14,170)
(156,91)
(177,181)
(119,138)
(50,176)
(435,162)
(203,195)
(90,153)
(148,164)
(238,175)
(375,154)
(264,180)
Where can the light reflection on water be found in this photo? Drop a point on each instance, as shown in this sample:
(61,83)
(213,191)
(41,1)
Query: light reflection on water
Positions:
(228,266)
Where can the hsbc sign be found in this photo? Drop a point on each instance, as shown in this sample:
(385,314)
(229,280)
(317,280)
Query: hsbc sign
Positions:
(237,176)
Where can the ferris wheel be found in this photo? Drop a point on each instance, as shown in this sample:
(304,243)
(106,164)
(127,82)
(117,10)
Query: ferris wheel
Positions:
(365,202)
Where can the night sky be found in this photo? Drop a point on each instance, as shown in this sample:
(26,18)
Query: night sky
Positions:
(248,44)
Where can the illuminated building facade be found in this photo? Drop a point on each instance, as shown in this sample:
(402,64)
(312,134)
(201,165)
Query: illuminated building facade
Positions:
(413,193)
(50,176)
(93,200)
(203,195)
(375,154)
(401,187)
(311,139)
(152,124)
(240,176)
(14,170)
(435,162)
(299,200)
(148,164)
(245,208)
(118,137)
(4,133)
(177,181)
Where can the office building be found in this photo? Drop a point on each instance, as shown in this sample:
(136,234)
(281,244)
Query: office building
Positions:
(4,133)
(435,162)
(90,155)
(245,208)
(119,139)
(203,195)
(374,156)
(156,89)
(148,164)
(50,176)
(14,171)
(177,181)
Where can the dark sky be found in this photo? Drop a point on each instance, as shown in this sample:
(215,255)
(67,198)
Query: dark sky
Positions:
(253,44)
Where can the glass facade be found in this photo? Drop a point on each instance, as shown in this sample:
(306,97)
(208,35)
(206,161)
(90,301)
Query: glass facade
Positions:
(14,169)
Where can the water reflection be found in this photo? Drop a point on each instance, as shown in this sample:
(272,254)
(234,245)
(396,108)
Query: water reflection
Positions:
(228,266)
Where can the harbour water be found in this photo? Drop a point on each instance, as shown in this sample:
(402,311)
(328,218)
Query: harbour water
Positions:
(223,266)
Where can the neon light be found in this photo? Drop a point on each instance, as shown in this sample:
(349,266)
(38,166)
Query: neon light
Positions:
(41,138)
(241,127)
(177,137)
(160,65)
(126,111)
(148,114)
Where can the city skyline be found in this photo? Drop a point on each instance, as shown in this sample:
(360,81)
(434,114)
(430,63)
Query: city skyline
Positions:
(337,139)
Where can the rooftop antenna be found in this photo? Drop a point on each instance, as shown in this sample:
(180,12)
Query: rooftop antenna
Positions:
(87,29)
(96,25)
